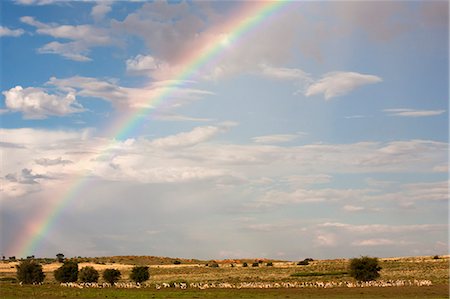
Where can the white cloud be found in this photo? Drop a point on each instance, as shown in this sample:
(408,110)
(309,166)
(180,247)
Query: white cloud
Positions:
(378,242)
(35,103)
(276,138)
(128,97)
(101,9)
(285,73)
(83,38)
(141,64)
(406,112)
(197,135)
(351,208)
(5,31)
(383,228)
(340,83)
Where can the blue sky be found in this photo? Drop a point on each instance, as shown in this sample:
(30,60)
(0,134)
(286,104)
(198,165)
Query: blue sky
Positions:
(322,132)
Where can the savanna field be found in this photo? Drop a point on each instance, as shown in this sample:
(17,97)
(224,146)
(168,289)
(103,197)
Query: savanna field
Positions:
(405,277)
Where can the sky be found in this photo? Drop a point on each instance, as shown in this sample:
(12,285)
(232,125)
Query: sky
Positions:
(218,130)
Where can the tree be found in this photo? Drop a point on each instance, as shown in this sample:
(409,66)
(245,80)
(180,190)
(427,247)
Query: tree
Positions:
(60,257)
(364,268)
(68,272)
(111,275)
(28,271)
(88,274)
(139,274)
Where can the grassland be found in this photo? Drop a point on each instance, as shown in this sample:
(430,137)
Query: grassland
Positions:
(192,271)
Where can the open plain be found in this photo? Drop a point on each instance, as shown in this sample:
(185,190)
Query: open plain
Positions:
(406,277)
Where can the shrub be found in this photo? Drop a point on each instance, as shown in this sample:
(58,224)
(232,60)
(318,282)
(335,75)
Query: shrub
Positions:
(88,274)
(214,265)
(28,271)
(269,264)
(303,263)
(139,274)
(177,262)
(111,275)
(244,265)
(364,268)
(436,257)
(68,272)
(255,264)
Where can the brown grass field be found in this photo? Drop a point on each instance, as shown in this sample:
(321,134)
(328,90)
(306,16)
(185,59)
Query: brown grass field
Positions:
(163,270)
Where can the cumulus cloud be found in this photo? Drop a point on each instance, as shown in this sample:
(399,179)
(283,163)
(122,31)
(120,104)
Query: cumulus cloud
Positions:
(35,103)
(406,112)
(5,31)
(336,84)
(141,64)
(379,242)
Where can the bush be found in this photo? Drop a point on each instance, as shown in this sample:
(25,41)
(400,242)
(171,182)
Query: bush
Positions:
(177,262)
(303,263)
(436,257)
(88,274)
(255,264)
(29,271)
(244,265)
(139,274)
(364,268)
(214,265)
(269,264)
(68,272)
(111,275)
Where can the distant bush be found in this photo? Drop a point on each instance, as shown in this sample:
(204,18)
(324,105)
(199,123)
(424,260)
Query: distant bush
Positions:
(8,279)
(139,274)
(244,265)
(255,264)
(436,257)
(364,268)
(177,262)
(111,275)
(269,264)
(214,265)
(88,274)
(28,271)
(68,272)
(303,263)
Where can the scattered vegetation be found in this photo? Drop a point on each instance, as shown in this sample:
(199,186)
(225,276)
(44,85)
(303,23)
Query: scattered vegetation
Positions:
(88,274)
(29,272)
(68,272)
(244,265)
(255,264)
(307,274)
(269,264)
(139,274)
(364,268)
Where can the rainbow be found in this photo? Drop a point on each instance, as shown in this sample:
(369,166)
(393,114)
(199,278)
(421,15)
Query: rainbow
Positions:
(252,14)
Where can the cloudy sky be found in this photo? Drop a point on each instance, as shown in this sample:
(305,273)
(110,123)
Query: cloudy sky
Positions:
(224,129)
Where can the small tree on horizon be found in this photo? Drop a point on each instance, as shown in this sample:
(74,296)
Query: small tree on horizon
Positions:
(139,274)
(60,257)
(68,272)
(28,271)
(111,275)
(364,268)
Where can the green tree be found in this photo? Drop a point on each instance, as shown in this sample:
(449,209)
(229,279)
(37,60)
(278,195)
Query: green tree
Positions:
(364,268)
(88,274)
(111,275)
(68,272)
(139,274)
(28,271)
